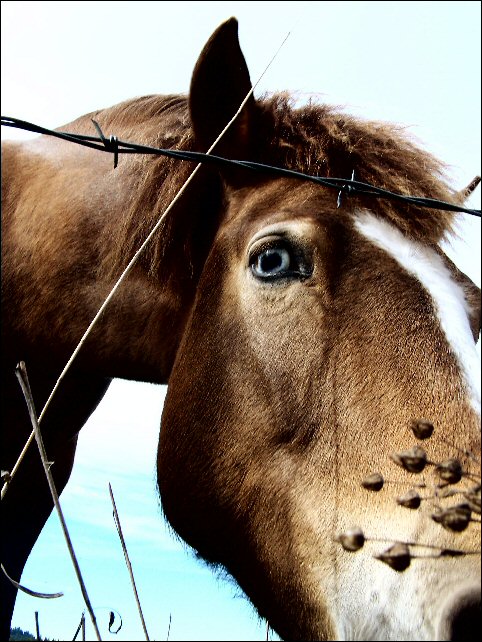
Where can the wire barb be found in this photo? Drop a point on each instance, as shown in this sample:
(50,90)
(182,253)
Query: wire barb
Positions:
(111,144)
(345,188)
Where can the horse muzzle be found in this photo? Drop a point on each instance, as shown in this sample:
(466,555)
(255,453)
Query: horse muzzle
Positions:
(460,617)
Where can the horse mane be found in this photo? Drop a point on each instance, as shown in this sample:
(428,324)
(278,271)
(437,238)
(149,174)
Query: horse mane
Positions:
(324,141)
(314,138)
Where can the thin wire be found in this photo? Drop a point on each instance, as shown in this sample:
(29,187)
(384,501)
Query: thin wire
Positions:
(130,266)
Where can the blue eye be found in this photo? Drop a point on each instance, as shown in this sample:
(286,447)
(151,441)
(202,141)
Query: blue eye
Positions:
(272,262)
(278,260)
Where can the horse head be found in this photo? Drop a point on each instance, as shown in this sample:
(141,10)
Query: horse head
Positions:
(323,344)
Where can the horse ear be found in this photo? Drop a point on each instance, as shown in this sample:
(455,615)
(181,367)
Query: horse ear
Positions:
(220,83)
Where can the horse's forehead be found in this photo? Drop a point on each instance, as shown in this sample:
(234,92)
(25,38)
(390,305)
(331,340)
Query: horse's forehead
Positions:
(274,201)
(302,207)
(271,195)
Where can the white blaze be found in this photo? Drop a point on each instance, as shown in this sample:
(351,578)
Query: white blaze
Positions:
(447,295)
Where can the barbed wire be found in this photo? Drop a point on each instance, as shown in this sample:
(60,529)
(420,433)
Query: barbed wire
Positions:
(351,186)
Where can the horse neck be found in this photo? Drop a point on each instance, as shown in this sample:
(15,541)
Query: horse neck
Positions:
(160,290)
(149,311)
(66,213)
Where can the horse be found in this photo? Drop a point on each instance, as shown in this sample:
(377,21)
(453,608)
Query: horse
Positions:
(319,351)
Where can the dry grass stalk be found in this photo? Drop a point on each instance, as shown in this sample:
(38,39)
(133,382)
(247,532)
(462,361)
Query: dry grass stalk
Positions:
(128,562)
(24,589)
(21,372)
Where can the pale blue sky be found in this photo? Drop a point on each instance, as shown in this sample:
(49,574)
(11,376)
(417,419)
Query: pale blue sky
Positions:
(415,63)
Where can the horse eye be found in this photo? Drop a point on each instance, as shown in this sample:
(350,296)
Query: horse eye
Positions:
(274,259)
(271,263)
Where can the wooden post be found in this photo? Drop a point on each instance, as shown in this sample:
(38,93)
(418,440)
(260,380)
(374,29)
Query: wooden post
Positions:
(169,627)
(37,628)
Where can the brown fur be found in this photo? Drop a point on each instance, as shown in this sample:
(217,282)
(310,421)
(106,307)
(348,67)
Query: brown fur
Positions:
(281,397)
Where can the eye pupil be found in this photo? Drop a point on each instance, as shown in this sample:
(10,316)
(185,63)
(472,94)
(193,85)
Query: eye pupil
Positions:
(271,261)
